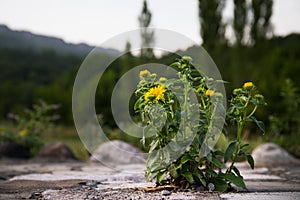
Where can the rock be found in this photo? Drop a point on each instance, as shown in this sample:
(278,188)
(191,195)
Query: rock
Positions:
(200,188)
(165,192)
(90,183)
(196,187)
(269,153)
(55,152)
(211,187)
(36,195)
(13,150)
(117,152)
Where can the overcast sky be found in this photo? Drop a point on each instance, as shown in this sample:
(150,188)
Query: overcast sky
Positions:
(95,21)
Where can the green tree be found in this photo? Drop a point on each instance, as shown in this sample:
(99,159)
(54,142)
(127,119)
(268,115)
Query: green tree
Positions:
(212,28)
(261,26)
(240,20)
(147,35)
(127,48)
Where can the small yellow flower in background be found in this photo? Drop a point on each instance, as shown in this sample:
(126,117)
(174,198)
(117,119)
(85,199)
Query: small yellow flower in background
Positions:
(23,132)
(209,93)
(162,79)
(157,93)
(248,85)
(144,72)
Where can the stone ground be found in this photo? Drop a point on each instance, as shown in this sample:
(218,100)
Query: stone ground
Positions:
(79,180)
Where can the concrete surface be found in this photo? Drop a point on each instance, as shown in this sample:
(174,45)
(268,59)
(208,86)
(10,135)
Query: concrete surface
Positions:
(79,180)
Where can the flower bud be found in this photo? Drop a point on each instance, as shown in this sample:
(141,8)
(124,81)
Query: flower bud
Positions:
(144,72)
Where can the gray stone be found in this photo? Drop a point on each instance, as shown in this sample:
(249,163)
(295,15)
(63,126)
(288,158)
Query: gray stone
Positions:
(200,188)
(269,154)
(211,187)
(166,192)
(90,183)
(55,152)
(117,152)
(35,195)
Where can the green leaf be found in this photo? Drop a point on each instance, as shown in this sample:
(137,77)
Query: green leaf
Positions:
(260,124)
(230,150)
(149,130)
(243,146)
(175,64)
(153,157)
(236,170)
(153,145)
(137,103)
(149,176)
(216,162)
(202,180)
(250,161)
(220,184)
(173,172)
(189,177)
(185,159)
(236,180)
(161,176)
(210,172)
(155,167)
(241,152)
(218,152)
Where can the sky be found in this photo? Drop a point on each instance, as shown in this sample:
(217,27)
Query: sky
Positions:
(95,21)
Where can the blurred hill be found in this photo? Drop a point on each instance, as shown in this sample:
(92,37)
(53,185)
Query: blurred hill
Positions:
(13,39)
(36,67)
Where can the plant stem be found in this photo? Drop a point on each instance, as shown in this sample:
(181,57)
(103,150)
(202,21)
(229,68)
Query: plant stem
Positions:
(241,125)
(240,130)
(253,111)
(185,106)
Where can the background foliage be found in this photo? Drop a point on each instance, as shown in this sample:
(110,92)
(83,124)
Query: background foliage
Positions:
(253,54)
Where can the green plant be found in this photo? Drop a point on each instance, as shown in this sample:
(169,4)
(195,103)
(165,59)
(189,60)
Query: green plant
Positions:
(285,126)
(31,124)
(288,122)
(181,116)
(243,105)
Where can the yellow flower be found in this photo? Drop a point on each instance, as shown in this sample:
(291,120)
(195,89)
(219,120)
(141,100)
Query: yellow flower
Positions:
(157,93)
(162,79)
(209,93)
(23,132)
(144,72)
(248,85)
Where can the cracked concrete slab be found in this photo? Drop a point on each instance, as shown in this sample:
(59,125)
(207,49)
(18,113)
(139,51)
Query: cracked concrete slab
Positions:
(85,180)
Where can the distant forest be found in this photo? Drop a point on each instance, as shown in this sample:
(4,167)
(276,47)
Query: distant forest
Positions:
(27,75)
